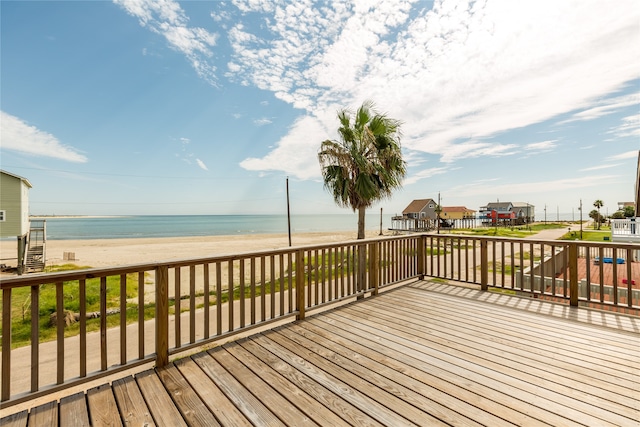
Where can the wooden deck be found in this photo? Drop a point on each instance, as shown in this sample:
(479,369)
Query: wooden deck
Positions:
(422,354)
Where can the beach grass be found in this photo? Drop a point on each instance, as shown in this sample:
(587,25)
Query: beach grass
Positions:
(327,267)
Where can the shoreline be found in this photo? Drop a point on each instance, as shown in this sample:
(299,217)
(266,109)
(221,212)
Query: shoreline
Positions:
(127,251)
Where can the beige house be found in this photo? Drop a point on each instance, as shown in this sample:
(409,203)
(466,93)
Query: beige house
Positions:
(14,205)
(14,211)
(457,212)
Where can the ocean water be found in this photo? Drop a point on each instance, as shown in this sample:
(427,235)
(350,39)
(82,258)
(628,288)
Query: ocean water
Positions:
(120,227)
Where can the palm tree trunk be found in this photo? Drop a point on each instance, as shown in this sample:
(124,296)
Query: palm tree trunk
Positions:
(362,255)
(361,212)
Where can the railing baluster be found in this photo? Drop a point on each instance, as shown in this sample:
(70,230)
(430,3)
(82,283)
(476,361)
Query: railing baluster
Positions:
(242,299)
(207,299)
(123,319)
(35,338)
(263,289)
(614,258)
(141,310)
(103,323)
(192,304)
(219,298)
(162,316)
(6,344)
(252,266)
(177,299)
(281,283)
(629,279)
(230,276)
(272,281)
(60,331)
(300,285)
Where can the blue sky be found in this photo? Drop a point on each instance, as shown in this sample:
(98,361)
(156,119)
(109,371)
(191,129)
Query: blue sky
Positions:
(200,107)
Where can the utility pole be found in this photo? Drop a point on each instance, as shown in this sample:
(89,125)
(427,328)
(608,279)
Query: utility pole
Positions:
(288,213)
(439,208)
(380,221)
(580,209)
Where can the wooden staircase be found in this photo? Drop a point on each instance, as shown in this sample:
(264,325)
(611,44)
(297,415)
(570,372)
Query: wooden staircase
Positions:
(36,253)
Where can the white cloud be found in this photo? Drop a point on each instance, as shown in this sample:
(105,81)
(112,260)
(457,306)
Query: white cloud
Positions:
(456,74)
(541,146)
(262,122)
(531,188)
(630,127)
(426,173)
(633,154)
(169,20)
(19,136)
(202,165)
(605,107)
(595,168)
(296,153)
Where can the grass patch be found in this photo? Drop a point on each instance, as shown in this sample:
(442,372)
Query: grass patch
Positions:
(516,232)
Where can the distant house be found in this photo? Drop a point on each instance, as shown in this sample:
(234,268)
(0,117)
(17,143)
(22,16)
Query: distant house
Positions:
(623,205)
(419,215)
(457,212)
(628,230)
(421,209)
(14,212)
(525,212)
(14,205)
(511,213)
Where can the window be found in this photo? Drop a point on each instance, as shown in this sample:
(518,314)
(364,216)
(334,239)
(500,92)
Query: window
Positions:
(3,216)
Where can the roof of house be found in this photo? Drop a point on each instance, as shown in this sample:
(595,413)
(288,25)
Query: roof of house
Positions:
(522,205)
(499,205)
(25,180)
(456,209)
(417,205)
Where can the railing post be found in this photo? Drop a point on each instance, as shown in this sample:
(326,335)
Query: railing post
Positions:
(300,285)
(420,255)
(362,273)
(162,316)
(6,344)
(374,268)
(484,265)
(573,274)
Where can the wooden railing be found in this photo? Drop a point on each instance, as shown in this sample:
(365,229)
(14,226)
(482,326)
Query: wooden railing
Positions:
(146,313)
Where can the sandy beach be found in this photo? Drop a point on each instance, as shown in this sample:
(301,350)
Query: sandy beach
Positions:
(114,252)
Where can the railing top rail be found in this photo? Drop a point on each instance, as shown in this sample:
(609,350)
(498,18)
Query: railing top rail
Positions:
(92,273)
(39,278)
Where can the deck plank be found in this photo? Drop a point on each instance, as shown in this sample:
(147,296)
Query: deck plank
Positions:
(327,398)
(44,415)
(163,410)
(517,365)
(281,407)
(315,409)
(252,408)
(348,385)
(133,409)
(223,409)
(74,411)
(423,353)
(19,419)
(548,400)
(194,411)
(103,410)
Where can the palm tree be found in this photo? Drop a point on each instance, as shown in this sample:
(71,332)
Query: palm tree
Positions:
(366,165)
(598,204)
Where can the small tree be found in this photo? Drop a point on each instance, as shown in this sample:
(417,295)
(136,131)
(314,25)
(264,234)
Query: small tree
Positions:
(598,204)
(629,212)
(597,218)
(366,164)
